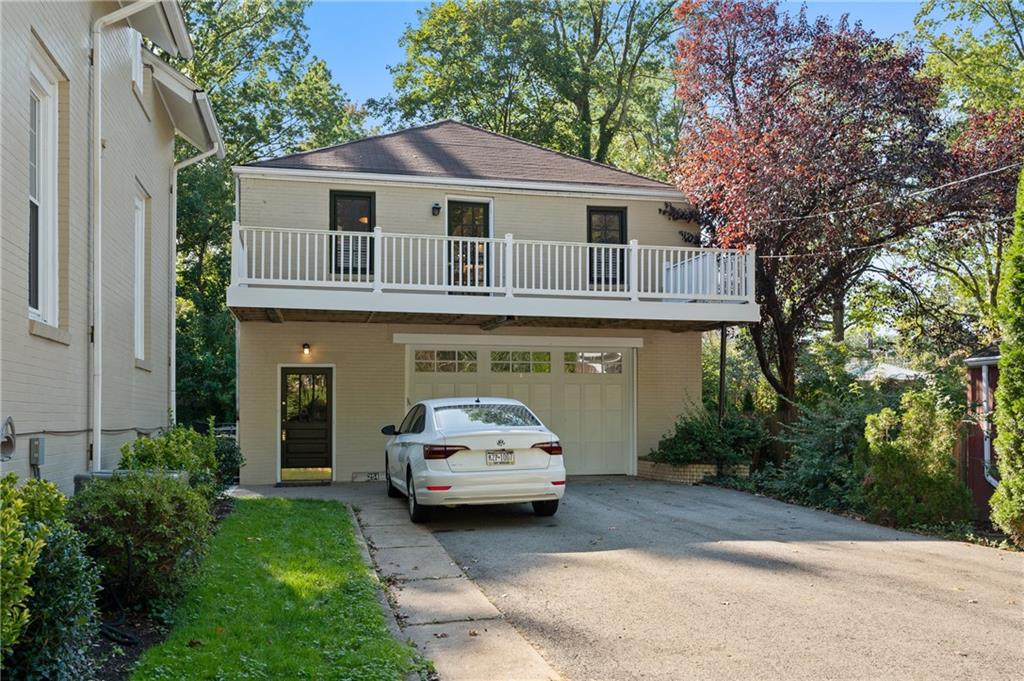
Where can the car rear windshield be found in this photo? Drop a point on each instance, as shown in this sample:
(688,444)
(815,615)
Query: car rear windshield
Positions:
(464,416)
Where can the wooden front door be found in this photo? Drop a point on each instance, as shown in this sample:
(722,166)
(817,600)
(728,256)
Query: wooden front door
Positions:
(468,260)
(306,407)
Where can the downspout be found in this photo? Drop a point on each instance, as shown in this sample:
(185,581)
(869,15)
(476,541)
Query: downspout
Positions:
(172,368)
(97,220)
(986,428)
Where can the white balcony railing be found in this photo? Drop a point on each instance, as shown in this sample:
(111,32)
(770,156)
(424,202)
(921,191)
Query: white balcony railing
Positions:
(381,261)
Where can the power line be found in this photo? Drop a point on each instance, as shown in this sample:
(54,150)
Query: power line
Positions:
(788,256)
(913,194)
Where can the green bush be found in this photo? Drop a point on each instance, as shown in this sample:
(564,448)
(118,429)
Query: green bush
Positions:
(911,477)
(178,449)
(148,533)
(62,611)
(822,469)
(697,437)
(1008,499)
(229,461)
(21,542)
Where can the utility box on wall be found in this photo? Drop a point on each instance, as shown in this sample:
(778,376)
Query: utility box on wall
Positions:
(36,451)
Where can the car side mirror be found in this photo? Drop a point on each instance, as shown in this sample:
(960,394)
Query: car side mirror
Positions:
(389,430)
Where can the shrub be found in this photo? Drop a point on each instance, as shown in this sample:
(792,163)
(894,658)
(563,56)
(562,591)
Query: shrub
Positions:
(229,461)
(697,437)
(148,532)
(821,470)
(22,543)
(63,619)
(911,477)
(178,449)
(1008,499)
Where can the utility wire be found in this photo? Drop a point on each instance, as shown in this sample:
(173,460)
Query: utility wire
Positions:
(913,194)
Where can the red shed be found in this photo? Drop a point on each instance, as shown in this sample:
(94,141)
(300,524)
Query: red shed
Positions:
(980,470)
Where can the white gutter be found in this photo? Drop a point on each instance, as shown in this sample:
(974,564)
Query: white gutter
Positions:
(986,428)
(96,151)
(172,378)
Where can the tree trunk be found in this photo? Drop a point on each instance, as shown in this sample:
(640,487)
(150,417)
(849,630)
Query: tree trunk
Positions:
(786,409)
(839,318)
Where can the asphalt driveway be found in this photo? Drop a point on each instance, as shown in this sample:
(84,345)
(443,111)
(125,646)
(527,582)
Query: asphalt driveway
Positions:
(637,579)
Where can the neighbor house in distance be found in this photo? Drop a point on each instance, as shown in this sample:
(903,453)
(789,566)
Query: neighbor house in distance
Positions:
(89,119)
(449,261)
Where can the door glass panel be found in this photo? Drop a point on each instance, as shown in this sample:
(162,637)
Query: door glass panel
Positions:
(607,226)
(353,213)
(468,260)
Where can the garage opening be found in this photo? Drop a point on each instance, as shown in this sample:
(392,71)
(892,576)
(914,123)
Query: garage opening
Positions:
(584,394)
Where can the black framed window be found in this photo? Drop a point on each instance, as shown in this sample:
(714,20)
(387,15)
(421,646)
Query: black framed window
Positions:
(606,225)
(353,212)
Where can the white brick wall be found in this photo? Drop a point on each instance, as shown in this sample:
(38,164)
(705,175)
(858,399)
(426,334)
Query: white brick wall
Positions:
(44,384)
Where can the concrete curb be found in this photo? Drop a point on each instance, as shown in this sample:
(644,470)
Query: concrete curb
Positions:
(390,618)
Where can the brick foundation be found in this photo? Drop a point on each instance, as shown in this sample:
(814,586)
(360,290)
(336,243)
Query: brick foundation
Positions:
(688,474)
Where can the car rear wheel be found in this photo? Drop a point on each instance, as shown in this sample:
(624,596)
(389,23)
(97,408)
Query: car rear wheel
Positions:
(392,490)
(417,512)
(545,508)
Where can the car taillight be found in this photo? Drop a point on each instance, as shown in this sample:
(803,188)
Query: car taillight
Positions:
(558,482)
(553,448)
(441,451)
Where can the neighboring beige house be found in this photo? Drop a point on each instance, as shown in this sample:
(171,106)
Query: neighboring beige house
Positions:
(446,260)
(88,119)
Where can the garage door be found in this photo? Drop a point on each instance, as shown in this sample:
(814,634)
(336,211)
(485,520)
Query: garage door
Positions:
(582,394)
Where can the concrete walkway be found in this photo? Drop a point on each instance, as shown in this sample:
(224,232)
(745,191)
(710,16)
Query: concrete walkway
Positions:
(441,612)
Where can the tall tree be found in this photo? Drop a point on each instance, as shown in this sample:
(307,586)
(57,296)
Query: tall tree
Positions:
(570,75)
(1008,500)
(270,97)
(803,139)
(977,48)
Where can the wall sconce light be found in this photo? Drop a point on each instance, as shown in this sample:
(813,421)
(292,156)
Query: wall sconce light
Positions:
(435,210)
(305,348)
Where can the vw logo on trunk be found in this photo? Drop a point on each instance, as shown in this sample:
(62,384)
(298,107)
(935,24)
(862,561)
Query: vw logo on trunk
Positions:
(501,443)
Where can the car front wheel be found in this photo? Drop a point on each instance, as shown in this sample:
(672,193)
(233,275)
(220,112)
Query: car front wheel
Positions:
(545,508)
(417,512)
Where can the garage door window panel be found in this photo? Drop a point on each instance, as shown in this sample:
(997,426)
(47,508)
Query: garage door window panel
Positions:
(445,361)
(520,362)
(593,362)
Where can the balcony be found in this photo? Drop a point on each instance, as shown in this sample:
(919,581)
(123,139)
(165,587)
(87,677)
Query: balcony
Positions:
(383,276)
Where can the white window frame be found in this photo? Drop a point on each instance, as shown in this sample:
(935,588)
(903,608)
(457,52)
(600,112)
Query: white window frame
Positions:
(43,86)
(141,272)
(135,47)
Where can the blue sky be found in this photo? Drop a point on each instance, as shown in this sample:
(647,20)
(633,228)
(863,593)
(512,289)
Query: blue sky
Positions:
(358,40)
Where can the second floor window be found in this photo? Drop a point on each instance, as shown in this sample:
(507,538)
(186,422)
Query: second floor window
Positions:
(607,226)
(42,193)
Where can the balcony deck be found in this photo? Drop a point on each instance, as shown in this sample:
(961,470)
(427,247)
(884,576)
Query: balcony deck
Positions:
(311,274)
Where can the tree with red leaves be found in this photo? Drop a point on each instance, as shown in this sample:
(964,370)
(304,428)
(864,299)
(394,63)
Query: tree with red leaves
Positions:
(805,140)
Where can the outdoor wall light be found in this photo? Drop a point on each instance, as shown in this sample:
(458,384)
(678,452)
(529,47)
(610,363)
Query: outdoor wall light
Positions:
(305,348)
(435,210)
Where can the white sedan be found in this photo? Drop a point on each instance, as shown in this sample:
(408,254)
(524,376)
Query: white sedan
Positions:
(473,450)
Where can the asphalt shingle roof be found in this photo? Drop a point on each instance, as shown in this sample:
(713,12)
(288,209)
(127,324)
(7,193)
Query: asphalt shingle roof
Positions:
(457,150)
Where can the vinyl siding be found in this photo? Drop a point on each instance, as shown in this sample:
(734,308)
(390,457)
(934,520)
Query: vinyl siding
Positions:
(370,384)
(44,384)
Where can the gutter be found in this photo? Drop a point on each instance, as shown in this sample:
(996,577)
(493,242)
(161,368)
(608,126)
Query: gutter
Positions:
(986,429)
(96,151)
(172,368)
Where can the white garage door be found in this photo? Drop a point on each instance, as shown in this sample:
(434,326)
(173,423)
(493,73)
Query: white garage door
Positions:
(582,394)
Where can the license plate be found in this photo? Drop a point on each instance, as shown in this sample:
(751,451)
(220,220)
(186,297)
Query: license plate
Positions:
(500,457)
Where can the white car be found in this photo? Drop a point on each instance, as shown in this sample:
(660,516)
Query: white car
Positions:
(473,450)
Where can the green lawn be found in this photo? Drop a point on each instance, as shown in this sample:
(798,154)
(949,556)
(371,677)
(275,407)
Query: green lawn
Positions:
(283,594)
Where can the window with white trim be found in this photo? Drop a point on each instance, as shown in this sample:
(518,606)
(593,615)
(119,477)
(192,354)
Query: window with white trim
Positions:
(520,362)
(135,48)
(140,277)
(445,361)
(42,192)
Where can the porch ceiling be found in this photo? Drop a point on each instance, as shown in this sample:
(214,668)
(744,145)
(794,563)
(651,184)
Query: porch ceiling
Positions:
(485,322)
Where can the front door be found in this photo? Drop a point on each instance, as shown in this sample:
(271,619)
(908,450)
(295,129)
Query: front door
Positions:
(468,259)
(306,404)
